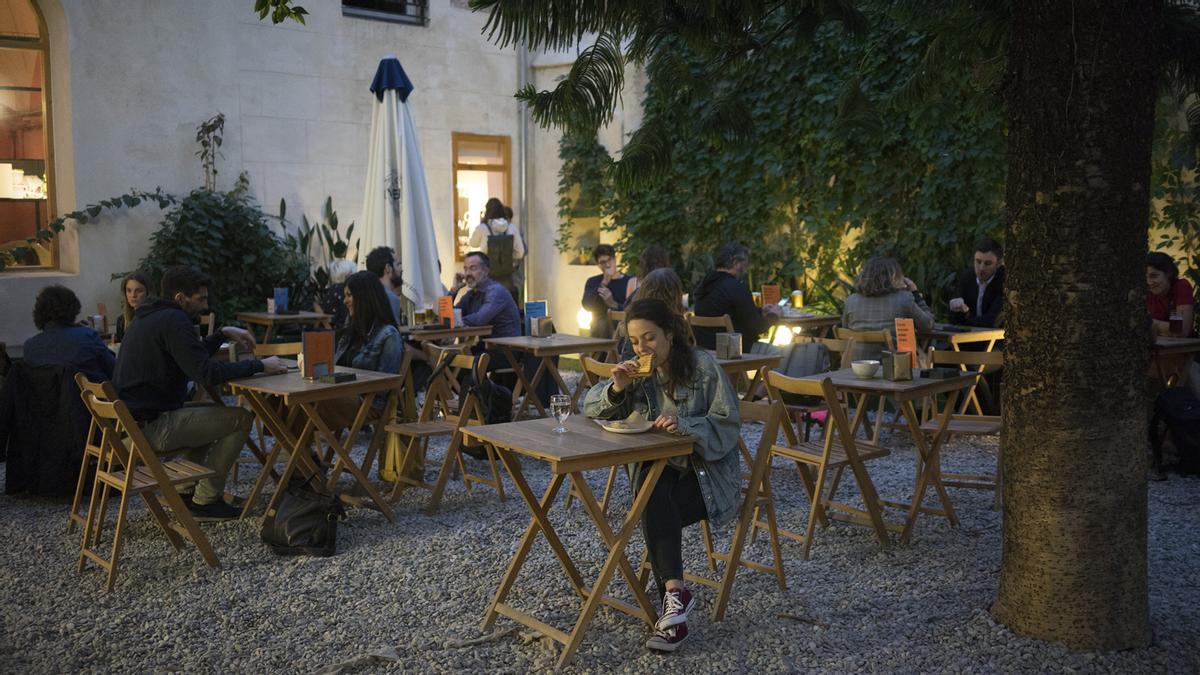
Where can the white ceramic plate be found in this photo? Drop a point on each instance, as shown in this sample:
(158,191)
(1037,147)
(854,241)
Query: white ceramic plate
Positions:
(637,428)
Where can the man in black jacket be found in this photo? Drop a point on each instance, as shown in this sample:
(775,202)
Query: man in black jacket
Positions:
(160,354)
(980,290)
(722,292)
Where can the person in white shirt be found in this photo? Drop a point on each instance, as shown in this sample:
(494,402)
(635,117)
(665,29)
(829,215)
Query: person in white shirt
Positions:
(495,223)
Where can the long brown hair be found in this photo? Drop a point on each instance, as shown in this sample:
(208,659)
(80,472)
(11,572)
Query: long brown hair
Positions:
(681,361)
(879,276)
(142,279)
(371,306)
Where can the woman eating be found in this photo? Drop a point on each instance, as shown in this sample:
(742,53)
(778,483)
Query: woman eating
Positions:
(685,393)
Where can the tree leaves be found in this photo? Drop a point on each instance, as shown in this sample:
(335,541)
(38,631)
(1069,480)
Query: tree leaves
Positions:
(586,97)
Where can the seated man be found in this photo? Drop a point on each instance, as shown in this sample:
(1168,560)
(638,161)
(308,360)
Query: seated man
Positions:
(487,302)
(62,342)
(160,354)
(722,292)
(382,262)
(980,290)
(604,291)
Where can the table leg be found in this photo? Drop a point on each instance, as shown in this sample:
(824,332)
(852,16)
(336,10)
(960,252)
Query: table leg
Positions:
(759,376)
(526,385)
(616,552)
(283,441)
(344,457)
(360,418)
(270,332)
(928,455)
(539,523)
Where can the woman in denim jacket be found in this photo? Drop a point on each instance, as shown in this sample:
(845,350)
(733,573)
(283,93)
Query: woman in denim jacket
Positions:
(370,341)
(687,394)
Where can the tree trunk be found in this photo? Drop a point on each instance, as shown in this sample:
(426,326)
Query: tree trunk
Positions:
(1080,95)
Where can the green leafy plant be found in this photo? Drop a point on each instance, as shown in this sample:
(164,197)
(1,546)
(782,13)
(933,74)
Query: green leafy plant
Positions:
(209,136)
(280,11)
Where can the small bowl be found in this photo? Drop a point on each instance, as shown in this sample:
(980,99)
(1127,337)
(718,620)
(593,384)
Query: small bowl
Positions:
(864,370)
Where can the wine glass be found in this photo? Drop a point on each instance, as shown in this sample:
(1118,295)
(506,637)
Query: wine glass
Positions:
(560,407)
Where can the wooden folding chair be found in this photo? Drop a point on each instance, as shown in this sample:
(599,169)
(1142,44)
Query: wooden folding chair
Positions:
(962,424)
(839,351)
(723,322)
(987,338)
(416,435)
(756,498)
(208,324)
(838,450)
(128,464)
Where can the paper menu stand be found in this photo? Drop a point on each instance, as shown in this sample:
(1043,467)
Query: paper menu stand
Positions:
(542,326)
(906,338)
(445,311)
(771,294)
(534,309)
(317,346)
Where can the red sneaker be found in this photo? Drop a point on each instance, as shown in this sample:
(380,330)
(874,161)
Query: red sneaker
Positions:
(668,639)
(677,603)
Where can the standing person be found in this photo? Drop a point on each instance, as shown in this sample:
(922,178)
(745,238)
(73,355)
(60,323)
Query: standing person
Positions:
(61,341)
(604,291)
(496,222)
(135,288)
(687,393)
(882,295)
(381,262)
(722,291)
(980,290)
(1168,294)
(160,354)
(653,257)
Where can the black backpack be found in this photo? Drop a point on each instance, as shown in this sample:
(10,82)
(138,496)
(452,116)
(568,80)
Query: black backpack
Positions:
(304,521)
(1178,410)
(494,399)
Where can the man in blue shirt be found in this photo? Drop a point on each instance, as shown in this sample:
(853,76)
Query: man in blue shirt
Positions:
(487,302)
(382,262)
(62,342)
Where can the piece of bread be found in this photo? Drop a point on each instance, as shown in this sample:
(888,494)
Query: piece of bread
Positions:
(645,366)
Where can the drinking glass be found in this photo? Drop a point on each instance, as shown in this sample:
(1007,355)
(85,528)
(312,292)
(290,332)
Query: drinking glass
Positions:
(1176,324)
(560,407)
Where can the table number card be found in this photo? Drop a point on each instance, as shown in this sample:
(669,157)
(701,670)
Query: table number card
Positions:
(318,353)
(534,310)
(771,294)
(281,300)
(906,338)
(445,310)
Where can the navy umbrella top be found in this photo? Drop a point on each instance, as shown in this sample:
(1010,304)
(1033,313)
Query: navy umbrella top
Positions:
(390,75)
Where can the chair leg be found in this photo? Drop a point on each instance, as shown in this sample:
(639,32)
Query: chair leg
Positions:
(494,461)
(812,513)
(452,453)
(83,469)
(89,523)
(118,534)
(776,551)
(708,546)
(160,517)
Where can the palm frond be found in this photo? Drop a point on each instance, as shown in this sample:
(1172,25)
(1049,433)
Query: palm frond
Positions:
(645,157)
(586,96)
(555,24)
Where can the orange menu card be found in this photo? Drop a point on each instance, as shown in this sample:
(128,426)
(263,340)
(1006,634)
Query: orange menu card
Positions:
(446,311)
(906,338)
(318,353)
(770,294)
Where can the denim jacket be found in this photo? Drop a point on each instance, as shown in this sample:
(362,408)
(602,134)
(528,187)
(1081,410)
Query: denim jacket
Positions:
(382,351)
(707,409)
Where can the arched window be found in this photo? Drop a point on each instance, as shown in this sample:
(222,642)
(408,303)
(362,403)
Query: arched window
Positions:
(26,174)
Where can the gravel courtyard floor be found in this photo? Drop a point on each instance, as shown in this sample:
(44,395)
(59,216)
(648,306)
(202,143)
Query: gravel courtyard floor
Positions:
(412,593)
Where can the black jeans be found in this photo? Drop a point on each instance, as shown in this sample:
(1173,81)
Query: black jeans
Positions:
(675,503)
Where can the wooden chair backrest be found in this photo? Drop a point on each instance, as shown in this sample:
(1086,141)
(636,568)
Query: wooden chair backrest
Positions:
(618,319)
(868,337)
(990,336)
(838,423)
(442,388)
(116,424)
(594,371)
(994,361)
(278,349)
(208,323)
(723,321)
(771,414)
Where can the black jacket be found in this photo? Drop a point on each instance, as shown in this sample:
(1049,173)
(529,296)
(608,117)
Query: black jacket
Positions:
(161,352)
(721,293)
(993,299)
(44,425)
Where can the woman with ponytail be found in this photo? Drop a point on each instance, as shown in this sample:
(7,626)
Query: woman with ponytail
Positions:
(685,393)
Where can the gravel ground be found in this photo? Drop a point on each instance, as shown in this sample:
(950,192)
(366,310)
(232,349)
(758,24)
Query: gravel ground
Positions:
(413,592)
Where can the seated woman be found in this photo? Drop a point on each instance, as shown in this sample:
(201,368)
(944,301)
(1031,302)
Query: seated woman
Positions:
(654,257)
(686,393)
(135,288)
(62,342)
(882,295)
(370,341)
(662,284)
(1168,294)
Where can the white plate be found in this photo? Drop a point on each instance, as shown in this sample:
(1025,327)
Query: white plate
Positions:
(606,425)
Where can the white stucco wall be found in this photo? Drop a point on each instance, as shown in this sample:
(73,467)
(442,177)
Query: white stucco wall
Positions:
(133,78)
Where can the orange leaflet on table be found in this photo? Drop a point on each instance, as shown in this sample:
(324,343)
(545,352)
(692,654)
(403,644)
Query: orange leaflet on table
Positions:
(906,338)
(318,353)
(771,294)
(446,311)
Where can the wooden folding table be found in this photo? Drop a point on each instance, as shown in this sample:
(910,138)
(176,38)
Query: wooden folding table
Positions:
(545,349)
(272,321)
(585,446)
(1171,358)
(904,393)
(467,335)
(265,393)
(817,325)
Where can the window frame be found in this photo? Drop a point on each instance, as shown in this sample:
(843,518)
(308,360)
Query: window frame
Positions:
(505,167)
(421,19)
(41,44)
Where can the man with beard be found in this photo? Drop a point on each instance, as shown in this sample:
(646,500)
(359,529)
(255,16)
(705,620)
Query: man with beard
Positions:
(161,352)
(382,263)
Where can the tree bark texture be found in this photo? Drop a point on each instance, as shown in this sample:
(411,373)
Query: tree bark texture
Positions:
(1080,95)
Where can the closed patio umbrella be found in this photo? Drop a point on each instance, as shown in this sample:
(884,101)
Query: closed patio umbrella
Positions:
(396,209)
